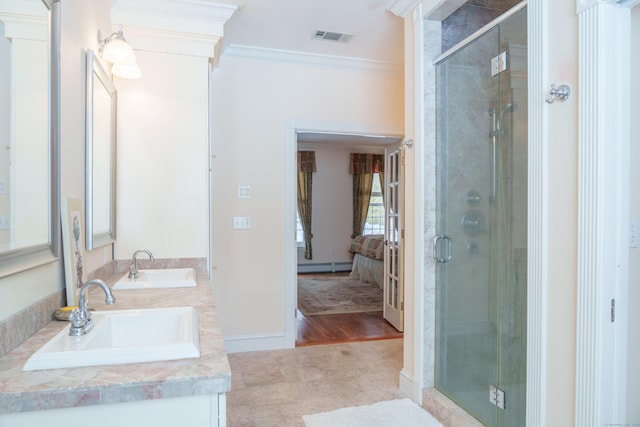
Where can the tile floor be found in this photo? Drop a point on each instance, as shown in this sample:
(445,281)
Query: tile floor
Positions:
(276,388)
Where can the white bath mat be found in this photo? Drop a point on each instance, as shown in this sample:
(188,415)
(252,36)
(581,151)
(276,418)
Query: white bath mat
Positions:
(392,413)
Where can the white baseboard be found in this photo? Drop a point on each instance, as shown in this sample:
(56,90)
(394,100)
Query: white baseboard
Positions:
(246,343)
(406,384)
(324,267)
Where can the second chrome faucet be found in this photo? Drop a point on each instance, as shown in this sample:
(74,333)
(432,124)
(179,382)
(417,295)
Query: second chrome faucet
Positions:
(133,268)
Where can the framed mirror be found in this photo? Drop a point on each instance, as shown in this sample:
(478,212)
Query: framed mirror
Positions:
(100,203)
(29,133)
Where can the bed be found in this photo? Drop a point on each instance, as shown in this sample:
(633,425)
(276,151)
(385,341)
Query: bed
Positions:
(368,264)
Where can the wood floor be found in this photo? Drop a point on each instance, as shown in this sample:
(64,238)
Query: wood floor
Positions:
(339,328)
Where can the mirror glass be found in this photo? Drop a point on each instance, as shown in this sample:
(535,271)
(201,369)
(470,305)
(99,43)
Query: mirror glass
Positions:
(28,156)
(101,155)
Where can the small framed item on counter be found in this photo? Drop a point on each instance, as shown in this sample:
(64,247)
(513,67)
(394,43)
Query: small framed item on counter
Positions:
(73,247)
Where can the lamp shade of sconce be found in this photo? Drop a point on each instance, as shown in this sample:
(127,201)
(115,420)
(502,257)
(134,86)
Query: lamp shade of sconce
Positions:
(118,51)
(127,71)
(120,54)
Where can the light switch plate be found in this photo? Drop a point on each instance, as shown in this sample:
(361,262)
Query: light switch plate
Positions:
(241,222)
(244,192)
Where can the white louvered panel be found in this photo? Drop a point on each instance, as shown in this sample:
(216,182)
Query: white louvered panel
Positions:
(538,221)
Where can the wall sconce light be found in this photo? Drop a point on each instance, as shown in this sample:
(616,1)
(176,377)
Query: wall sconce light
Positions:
(119,53)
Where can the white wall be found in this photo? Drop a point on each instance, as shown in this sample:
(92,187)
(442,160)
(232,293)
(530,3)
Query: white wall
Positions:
(413,207)
(563,189)
(252,102)
(80,23)
(162,198)
(633,356)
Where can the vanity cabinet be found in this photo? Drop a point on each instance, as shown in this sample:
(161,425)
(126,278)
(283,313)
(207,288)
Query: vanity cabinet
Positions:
(192,411)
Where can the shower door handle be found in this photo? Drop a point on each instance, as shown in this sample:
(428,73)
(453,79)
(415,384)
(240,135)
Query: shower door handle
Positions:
(438,241)
(495,131)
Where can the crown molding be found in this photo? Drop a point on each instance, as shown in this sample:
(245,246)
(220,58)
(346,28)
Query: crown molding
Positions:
(287,56)
(403,8)
(173,26)
(172,42)
(27,27)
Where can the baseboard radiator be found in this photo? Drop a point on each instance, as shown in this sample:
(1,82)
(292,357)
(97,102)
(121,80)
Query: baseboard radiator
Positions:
(324,267)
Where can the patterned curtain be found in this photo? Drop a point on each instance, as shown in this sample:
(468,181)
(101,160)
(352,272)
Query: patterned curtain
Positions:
(306,168)
(362,166)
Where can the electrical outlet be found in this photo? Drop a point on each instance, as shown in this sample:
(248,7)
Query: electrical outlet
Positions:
(4,222)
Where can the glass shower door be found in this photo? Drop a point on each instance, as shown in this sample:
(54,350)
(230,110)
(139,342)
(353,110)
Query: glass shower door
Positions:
(481,224)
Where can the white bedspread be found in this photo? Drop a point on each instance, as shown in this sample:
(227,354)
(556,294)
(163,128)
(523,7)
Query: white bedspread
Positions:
(367,269)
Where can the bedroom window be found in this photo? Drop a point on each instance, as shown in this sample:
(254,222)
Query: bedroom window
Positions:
(375,215)
(299,230)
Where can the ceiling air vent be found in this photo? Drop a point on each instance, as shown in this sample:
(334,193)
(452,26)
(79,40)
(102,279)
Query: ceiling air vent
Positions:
(330,35)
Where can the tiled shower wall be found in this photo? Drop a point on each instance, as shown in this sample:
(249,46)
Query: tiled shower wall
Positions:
(470,17)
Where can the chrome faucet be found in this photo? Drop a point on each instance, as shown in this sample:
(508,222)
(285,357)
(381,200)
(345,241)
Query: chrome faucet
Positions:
(81,317)
(133,268)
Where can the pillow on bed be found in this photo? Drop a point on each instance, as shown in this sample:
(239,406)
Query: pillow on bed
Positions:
(371,246)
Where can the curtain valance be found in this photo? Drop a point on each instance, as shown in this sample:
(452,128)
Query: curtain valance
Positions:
(361,163)
(307,161)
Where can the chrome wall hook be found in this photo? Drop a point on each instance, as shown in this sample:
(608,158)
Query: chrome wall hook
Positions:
(560,93)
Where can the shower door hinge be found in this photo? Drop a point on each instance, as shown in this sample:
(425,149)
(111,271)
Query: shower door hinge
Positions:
(499,64)
(496,396)
(613,310)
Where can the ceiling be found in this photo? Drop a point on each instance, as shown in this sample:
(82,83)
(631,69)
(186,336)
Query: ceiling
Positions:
(290,24)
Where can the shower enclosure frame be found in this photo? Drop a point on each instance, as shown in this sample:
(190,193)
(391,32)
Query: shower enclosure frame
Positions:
(546,61)
(473,220)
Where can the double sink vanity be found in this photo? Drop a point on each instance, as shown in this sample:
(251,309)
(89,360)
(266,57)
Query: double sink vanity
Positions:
(154,357)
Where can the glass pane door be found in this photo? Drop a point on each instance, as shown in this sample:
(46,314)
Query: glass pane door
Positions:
(393,307)
(481,224)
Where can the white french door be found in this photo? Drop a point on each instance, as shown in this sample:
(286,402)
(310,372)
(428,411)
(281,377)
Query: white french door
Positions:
(393,308)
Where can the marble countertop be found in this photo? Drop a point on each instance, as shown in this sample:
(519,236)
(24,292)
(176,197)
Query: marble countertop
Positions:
(66,388)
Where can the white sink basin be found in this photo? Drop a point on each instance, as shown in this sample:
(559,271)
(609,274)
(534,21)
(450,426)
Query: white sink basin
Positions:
(124,336)
(159,278)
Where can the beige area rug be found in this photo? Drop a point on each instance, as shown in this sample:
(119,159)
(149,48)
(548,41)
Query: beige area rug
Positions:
(392,413)
(336,293)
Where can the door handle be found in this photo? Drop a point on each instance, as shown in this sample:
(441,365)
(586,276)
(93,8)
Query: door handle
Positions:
(436,253)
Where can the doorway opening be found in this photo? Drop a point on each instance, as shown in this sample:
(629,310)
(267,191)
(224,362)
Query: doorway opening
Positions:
(330,304)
